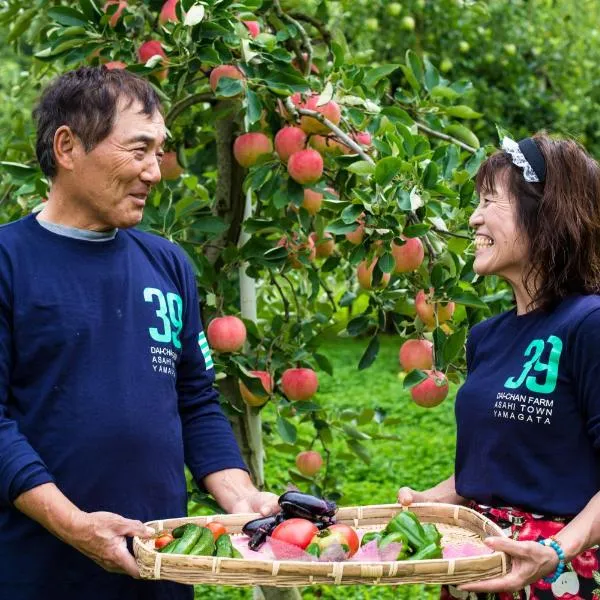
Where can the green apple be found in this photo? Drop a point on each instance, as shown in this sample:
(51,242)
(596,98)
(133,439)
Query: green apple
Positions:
(464,46)
(408,23)
(372,24)
(394,9)
(510,49)
(446,65)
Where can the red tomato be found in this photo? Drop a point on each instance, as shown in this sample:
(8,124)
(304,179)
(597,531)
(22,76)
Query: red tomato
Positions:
(298,532)
(163,540)
(348,534)
(218,529)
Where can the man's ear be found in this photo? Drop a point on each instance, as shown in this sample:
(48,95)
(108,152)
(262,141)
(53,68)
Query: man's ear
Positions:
(66,147)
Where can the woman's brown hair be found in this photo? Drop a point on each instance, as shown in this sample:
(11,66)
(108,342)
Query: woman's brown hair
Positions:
(560,218)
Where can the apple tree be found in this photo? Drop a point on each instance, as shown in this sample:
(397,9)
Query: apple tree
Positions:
(313,193)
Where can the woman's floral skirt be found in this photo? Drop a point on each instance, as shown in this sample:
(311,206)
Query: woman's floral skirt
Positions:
(580,581)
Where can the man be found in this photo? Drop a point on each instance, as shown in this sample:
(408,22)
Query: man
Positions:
(104,388)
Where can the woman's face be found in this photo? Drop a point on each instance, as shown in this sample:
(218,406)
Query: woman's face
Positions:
(500,248)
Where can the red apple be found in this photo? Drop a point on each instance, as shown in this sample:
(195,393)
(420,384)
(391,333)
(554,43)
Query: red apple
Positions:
(168,13)
(115,64)
(362,137)
(299,384)
(416,354)
(289,140)
(356,237)
(257,399)
(149,49)
(364,274)
(226,334)
(324,246)
(309,462)
(330,110)
(431,391)
(305,166)
(249,148)
(253,28)
(114,19)
(426,310)
(169,167)
(313,67)
(230,71)
(409,256)
(296,248)
(312,202)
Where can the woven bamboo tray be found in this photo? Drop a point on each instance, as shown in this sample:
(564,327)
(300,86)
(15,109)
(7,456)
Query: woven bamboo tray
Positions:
(456,523)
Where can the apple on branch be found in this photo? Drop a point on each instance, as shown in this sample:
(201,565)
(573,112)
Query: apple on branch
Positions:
(226,334)
(299,384)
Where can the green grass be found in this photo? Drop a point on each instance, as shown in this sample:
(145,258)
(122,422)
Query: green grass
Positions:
(421,457)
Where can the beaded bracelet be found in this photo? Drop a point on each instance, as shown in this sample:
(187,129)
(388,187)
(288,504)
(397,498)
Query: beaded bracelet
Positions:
(552,543)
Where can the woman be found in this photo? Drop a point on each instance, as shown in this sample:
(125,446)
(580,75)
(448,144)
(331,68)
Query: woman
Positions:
(528,414)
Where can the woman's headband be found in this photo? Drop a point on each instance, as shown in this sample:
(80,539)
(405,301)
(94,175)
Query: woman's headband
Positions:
(527,156)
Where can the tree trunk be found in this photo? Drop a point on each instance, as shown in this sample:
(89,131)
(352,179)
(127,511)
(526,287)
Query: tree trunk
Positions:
(233,208)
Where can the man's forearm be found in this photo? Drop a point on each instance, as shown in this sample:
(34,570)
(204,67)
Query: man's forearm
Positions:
(229,486)
(47,505)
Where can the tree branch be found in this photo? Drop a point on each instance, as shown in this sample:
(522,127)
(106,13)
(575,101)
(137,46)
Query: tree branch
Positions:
(182,105)
(348,141)
(306,44)
(286,304)
(463,236)
(325,35)
(444,136)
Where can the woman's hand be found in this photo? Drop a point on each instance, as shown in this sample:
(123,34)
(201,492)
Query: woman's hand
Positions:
(530,562)
(442,492)
(408,496)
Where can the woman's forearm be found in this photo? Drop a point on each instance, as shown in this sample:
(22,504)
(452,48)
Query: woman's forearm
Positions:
(445,491)
(583,531)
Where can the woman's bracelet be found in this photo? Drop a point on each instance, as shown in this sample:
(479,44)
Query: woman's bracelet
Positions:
(552,543)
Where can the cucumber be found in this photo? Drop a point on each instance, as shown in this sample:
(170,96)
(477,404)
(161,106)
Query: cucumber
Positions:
(188,540)
(205,544)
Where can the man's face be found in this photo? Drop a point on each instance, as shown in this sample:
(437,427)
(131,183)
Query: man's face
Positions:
(114,179)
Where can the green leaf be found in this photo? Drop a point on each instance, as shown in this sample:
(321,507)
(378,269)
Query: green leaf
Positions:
(354,433)
(286,430)
(210,224)
(21,24)
(373,75)
(454,345)
(361,167)
(18,170)
(67,16)
(416,230)
(357,448)
(463,134)
(387,263)
(432,77)
(410,77)
(91,10)
(254,106)
(338,53)
(351,213)
(398,115)
(413,378)
(324,363)
(347,299)
(229,87)
(387,168)
(370,354)
(430,175)
(414,62)
(358,325)
(339,227)
(467,298)
(462,112)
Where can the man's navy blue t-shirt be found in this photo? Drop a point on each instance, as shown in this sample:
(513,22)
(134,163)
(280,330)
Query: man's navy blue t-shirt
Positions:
(106,389)
(528,414)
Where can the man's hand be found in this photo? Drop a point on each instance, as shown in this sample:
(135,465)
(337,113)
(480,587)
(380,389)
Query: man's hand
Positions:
(101,536)
(530,562)
(264,503)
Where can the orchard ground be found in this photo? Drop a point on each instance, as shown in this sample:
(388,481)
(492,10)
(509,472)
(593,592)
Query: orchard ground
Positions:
(422,456)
